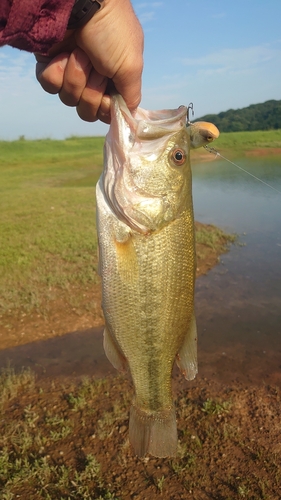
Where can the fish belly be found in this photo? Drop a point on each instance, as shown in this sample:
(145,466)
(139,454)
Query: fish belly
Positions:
(148,294)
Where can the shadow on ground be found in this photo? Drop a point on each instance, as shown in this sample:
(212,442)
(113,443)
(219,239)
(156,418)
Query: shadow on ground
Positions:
(81,353)
(73,354)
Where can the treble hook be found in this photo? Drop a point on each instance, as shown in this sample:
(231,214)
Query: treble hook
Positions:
(190,107)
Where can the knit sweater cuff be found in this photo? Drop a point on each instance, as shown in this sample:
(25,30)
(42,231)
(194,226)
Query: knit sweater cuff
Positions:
(33,25)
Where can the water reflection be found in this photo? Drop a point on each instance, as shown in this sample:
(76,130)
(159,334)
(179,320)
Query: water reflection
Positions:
(239,302)
(232,197)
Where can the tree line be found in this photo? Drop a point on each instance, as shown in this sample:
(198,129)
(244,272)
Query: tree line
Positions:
(264,116)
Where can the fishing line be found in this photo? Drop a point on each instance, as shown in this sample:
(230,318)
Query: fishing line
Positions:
(215,152)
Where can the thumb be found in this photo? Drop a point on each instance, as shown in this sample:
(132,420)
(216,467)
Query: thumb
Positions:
(129,86)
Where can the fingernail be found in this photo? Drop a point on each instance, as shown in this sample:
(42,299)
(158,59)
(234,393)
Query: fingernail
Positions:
(105,104)
(104,110)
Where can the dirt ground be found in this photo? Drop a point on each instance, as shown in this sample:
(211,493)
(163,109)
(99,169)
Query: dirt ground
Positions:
(229,433)
(67,438)
(263,152)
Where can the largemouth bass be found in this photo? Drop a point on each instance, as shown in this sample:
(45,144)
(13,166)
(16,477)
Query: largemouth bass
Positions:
(147,261)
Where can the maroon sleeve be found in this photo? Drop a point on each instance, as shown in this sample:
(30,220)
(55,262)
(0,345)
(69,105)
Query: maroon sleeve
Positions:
(33,25)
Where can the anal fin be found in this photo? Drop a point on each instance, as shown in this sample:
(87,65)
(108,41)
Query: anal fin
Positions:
(186,358)
(113,352)
(99,269)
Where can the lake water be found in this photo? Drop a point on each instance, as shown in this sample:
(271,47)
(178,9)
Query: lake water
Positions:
(239,302)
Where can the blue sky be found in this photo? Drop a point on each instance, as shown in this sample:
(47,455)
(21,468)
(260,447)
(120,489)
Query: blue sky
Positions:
(219,55)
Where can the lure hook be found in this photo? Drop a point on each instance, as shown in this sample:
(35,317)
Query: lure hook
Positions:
(189,108)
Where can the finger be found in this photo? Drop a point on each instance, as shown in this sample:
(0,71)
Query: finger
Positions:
(75,78)
(127,79)
(50,74)
(129,86)
(92,100)
(104,110)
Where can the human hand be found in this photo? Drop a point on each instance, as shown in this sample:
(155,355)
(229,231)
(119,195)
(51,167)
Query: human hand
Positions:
(107,50)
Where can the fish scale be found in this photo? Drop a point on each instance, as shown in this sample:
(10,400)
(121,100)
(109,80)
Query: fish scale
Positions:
(163,294)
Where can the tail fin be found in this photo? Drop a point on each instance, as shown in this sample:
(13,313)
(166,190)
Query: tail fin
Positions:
(153,433)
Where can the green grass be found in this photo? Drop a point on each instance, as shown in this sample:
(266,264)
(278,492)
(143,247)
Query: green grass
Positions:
(211,407)
(243,141)
(213,237)
(47,221)
(11,384)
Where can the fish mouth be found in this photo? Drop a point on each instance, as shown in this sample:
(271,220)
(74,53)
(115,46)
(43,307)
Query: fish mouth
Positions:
(146,125)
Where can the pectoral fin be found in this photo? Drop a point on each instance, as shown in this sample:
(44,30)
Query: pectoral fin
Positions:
(126,258)
(187,357)
(113,352)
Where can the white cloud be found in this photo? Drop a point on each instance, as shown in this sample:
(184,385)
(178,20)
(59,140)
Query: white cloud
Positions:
(234,59)
(26,109)
(219,15)
(149,4)
(149,14)
(12,69)
(227,78)
(146,17)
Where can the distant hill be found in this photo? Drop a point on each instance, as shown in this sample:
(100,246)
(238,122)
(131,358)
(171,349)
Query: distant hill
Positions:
(265,116)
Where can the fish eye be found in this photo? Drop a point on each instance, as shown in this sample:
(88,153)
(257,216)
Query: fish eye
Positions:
(178,156)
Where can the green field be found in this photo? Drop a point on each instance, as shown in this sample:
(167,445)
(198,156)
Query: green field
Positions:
(47,217)
(243,141)
(47,213)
